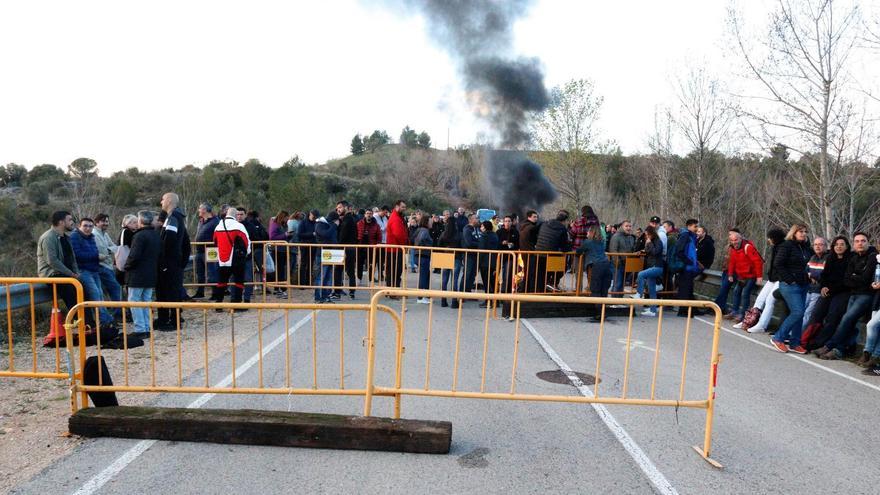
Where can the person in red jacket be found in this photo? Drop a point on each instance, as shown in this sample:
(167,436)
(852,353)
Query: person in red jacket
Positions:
(370,234)
(228,234)
(396,235)
(745,269)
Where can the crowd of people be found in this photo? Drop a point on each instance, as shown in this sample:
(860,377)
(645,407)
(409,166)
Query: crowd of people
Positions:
(826,289)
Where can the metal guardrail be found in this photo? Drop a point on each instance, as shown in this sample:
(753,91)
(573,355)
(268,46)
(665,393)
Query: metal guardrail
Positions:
(20,295)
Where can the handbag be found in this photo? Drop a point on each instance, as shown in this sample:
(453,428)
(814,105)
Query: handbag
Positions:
(751,318)
(269,263)
(121,257)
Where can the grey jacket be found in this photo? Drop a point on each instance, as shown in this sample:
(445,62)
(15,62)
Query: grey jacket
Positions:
(106,248)
(50,257)
(621,243)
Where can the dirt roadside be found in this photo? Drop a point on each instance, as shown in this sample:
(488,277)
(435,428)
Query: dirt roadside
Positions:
(34,412)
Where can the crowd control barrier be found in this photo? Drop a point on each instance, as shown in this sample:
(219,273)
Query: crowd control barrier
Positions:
(33,343)
(653,392)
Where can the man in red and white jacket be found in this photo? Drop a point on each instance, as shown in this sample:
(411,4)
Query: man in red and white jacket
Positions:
(227,233)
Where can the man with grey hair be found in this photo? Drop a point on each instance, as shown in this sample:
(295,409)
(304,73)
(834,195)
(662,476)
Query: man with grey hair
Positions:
(173,257)
(141,271)
(204,238)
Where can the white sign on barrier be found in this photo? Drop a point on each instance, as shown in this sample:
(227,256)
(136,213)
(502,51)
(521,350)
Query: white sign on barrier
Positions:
(332,256)
(212,255)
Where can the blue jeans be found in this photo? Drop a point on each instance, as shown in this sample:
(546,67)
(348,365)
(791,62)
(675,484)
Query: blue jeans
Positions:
(618,276)
(91,282)
(324,281)
(649,277)
(412,259)
(470,272)
(141,316)
(200,268)
(454,274)
(721,299)
(795,297)
(872,345)
(846,334)
(424,271)
(742,295)
(248,278)
(112,287)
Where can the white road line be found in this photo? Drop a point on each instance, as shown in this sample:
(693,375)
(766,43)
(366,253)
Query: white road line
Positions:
(632,448)
(794,355)
(100,479)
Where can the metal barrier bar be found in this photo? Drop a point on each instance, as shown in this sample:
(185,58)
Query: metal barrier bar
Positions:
(22,294)
(480,391)
(174,382)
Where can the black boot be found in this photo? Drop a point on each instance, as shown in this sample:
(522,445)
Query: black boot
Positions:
(443,303)
(455,304)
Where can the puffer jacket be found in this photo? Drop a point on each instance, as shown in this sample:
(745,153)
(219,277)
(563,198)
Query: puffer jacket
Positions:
(552,236)
(791,262)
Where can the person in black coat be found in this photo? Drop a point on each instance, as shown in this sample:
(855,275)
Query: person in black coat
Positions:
(705,249)
(451,238)
(347,235)
(142,271)
(488,262)
(552,236)
(790,264)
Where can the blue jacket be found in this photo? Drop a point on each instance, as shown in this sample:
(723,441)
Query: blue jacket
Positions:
(326,232)
(686,249)
(470,237)
(85,250)
(594,249)
(305,232)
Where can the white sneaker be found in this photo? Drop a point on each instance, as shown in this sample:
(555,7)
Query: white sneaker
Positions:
(635,296)
(659,287)
(738,325)
(618,306)
(648,312)
(757,330)
(423,300)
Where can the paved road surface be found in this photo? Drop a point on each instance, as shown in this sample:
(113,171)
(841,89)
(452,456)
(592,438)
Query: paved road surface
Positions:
(783,424)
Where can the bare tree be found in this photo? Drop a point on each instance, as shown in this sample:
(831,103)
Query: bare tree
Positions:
(662,159)
(803,73)
(567,132)
(704,119)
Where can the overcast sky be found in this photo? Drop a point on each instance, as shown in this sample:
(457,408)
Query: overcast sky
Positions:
(158,84)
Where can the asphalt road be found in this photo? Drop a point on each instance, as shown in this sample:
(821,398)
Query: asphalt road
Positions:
(783,423)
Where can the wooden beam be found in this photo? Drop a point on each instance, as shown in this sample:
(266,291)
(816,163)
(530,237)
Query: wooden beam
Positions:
(278,428)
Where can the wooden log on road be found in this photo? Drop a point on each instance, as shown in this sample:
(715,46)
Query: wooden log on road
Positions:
(277,428)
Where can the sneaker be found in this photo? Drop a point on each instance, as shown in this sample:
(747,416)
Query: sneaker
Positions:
(335,297)
(511,319)
(863,361)
(822,350)
(629,290)
(550,288)
(875,371)
(779,346)
(351,294)
(659,287)
(423,300)
(832,355)
(738,326)
(798,350)
(757,330)
(648,312)
(329,300)
(618,306)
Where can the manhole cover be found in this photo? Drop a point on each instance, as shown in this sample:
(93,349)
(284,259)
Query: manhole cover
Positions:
(558,376)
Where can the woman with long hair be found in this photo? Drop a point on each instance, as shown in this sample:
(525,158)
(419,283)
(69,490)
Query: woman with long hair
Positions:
(654,264)
(833,295)
(278,232)
(791,267)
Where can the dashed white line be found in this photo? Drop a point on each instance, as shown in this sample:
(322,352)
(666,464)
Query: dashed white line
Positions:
(795,356)
(100,479)
(632,448)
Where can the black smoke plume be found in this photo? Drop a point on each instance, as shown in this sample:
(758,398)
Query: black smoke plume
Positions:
(504,89)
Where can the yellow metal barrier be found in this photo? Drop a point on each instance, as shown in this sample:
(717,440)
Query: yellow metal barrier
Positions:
(624,398)
(78,388)
(45,362)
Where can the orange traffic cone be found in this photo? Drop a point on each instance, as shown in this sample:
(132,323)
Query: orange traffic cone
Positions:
(56,330)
